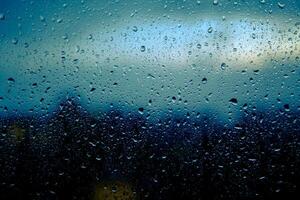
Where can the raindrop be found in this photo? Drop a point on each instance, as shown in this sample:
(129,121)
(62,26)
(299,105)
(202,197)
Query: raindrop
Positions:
(143,48)
(47,89)
(59,20)
(150,76)
(135,29)
(42,18)
(114,189)
(52,192)
(2,16)
(90,37)
(215,2)
(224,66)
(14,41)
(262,178)
(210,30)
(281,5)
(277,150)
(263,1)
(11,80)
(204,80)
(233,101)
(173,99)
(286,107)
(26,45)
(141,110)
(65,37)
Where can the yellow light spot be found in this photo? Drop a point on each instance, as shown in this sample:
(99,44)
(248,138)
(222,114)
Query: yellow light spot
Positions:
(17,132)
(114,191)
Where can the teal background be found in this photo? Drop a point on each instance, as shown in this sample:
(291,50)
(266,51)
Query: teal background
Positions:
(151,54)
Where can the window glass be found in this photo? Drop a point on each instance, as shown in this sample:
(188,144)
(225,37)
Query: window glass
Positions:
(149,99)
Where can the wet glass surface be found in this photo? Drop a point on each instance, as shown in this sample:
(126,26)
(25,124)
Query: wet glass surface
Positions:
(149,99)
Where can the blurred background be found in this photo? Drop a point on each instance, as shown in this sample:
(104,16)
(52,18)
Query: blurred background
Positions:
(156,99)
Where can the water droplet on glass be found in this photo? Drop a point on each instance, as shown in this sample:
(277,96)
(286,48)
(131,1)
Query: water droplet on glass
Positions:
(90,37)
(286,107)
(281,5)
(263,1)
(42,18)
(233,101)
(224,66)
(11,80)
(2,16)
(173,99)
(14,41)
(114,189)
(135,29)
(59,20)
(141,111)
(210,30)
(215,2)
(98,158)
(143,48)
